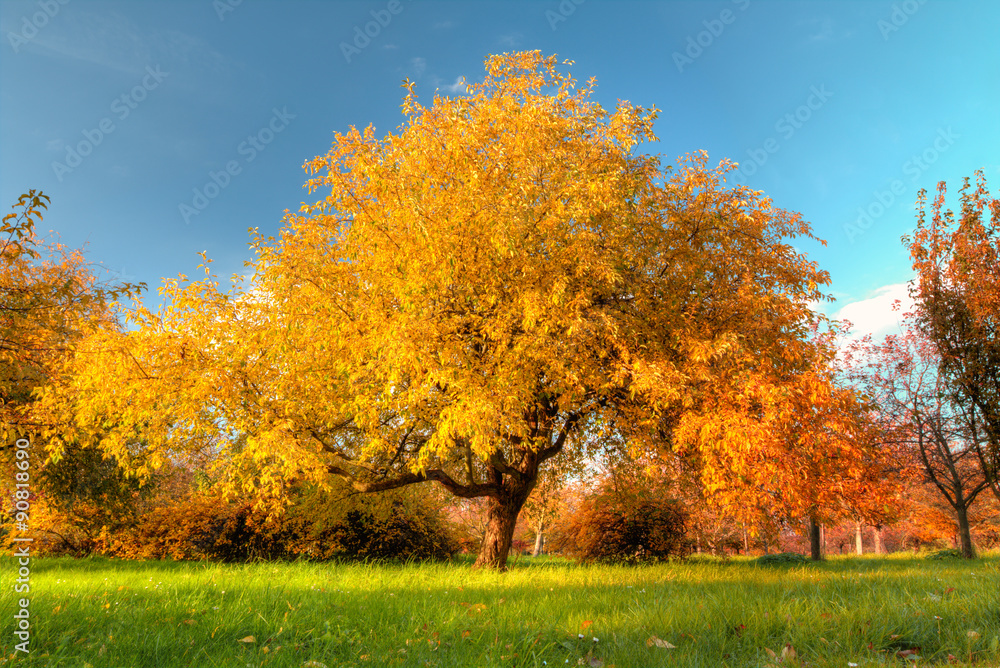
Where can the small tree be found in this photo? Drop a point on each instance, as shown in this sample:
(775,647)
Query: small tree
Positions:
(922,416)
(957,294)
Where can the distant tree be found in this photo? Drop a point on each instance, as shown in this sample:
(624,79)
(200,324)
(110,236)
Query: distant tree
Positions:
(904,377)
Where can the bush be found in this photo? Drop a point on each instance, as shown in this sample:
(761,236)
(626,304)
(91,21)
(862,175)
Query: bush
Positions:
(781,559)
(202,528)
(634,526)
(316,524)
(946,554)
(402,524)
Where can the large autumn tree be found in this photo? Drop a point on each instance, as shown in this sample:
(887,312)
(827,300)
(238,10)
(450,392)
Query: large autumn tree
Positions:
(503,280)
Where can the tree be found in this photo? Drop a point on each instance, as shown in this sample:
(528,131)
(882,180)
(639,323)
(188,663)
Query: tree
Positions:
(49,298)
(542,506)
(503,281)
(943,436)
(957,293)
(794,444)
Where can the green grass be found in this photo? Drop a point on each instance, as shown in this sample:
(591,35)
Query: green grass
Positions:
(102,612)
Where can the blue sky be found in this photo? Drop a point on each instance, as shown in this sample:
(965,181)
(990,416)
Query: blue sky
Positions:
(121,111)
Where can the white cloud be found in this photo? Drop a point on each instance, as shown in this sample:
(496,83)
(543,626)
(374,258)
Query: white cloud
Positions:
(877,314)
(419,65)
(457,87)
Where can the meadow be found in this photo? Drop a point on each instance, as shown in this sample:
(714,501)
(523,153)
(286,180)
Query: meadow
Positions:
(847,611)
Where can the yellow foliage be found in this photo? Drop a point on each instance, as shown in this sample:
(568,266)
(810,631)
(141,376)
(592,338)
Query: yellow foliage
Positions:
(499,282)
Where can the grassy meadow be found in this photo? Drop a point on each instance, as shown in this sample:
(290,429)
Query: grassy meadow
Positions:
(865,611)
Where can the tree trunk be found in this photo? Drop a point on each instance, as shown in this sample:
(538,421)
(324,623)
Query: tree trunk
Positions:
(879,548)
(859,543)
(965,535)
(501,518)
(539,542)
(815,553)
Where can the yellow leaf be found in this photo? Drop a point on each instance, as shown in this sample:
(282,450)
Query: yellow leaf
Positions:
(659,642)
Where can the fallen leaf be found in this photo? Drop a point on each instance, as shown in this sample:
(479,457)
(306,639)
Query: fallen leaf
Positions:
(313,664)
(659,642)
(770,653)
(585,624)
(247,639)
(972,635)
(788,653)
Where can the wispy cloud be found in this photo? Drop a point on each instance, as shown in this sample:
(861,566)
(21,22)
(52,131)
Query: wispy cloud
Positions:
(823,29)
(419,65)
(511,40)
(113,41)
(458,87)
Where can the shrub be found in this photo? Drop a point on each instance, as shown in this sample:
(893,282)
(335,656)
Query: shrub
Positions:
(336,523)
(316,524)
(202,527)
(633,526)
(781,559)
(945,554)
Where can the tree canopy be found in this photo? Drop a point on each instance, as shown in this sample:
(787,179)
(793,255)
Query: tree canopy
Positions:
(504,279)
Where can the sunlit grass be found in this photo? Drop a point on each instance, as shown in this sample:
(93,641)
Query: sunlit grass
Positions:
(859,610)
